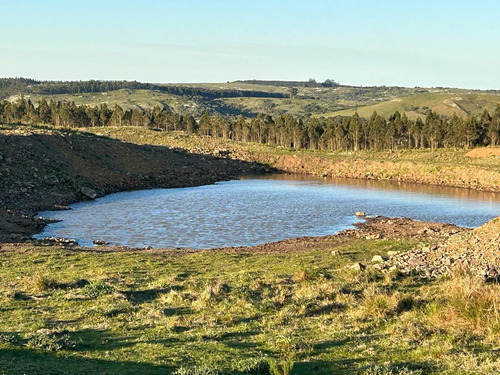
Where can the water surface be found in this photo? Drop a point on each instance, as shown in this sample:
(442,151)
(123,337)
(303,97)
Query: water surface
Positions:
(257,210)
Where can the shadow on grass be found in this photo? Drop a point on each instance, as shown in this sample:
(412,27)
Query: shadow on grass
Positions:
(28,361)
(320,367)
(137,297)
(319,310)
(175,311)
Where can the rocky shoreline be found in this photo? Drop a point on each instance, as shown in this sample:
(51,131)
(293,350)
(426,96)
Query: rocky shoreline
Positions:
(475,252)
(45,169)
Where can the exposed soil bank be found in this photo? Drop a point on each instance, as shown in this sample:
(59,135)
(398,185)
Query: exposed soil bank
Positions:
(47,169)
(432,167)
(404,171)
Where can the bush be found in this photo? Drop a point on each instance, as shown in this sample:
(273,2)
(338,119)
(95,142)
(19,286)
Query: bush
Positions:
(390,370)
(252,366)
(282,368)
(473,304)
(8,339)
(42,283)
(377,304)
(49,340)
(197,370)
(96,289)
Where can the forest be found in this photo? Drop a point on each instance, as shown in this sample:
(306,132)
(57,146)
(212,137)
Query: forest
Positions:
(12,86)
(340,133)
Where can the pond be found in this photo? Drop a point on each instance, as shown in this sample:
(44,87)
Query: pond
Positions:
(252,211)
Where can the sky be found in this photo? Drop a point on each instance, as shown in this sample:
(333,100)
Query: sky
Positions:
(357,42)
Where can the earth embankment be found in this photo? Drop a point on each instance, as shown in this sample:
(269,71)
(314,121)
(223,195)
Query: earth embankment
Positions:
(454,175)
(45,169)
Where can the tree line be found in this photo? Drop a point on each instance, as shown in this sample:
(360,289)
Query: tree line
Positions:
(330,134)
(13,86)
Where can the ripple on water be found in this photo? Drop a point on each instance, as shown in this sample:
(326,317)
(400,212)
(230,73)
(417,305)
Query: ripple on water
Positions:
(252,211)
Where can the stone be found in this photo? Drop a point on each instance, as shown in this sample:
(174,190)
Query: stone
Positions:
(378,259)
(88,192)
(100,242)
(358,266)
(335,252)
(360,214)
(392,253)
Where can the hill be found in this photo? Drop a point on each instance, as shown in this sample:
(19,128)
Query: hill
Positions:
(460,103)
(248,98)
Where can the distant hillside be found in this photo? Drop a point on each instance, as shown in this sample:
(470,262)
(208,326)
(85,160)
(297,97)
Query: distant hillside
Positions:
(251,97)
(460,103)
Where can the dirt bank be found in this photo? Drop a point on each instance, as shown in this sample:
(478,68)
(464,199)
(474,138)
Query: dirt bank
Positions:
(404,171)
(433,167)
(484,152)
(46,169)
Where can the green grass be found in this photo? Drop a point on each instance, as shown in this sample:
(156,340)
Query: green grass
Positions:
(459,103)
(67,310)
(126,98)
(341,100)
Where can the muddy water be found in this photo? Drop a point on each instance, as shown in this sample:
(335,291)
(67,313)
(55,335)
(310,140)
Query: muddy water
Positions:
(258,210)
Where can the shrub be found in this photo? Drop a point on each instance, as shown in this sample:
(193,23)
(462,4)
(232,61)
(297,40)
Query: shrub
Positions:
(42,283)
(8,339)
(197,370)
(282,368)
(390,370)
(252,366)
(96,289)
(212,294)
(49,340)
(474,304)
(377,304)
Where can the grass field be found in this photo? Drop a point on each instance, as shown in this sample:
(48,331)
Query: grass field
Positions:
(78,311)
(316,101)
(141,99)
(460,103)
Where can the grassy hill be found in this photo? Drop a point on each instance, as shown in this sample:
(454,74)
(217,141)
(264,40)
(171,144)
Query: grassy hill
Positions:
(251,97)
(460,103)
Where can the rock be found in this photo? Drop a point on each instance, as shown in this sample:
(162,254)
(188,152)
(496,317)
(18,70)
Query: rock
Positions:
(222,153)
(378,259)
(392,253)
(358,266)
(61,241)
(335,252)
(88,192)
(100,242)
(360,214)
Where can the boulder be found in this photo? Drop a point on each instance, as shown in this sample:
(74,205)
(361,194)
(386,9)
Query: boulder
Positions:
(360,214)
(378,259)
(88,192)
(100,242)
(358,266)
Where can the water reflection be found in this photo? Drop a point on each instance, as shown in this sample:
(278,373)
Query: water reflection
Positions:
(257,210)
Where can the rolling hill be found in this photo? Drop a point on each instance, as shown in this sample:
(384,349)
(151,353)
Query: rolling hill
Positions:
(249,98)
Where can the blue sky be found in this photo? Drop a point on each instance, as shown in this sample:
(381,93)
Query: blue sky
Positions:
(357,42)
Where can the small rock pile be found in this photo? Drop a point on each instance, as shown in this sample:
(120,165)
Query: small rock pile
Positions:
(476,252)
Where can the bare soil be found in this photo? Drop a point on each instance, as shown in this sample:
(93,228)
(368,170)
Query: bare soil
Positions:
(46,169)
(484,152)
